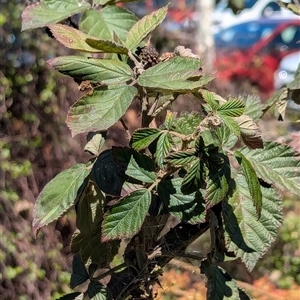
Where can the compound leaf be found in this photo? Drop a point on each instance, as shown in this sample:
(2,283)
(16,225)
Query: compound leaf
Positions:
(181,158)
(48,12)
(187,123)
(231,124)
(276,164)
(58,195)
(248,237)
(126,217)
(143,137)
(96,291)
(145,26)
(253,106)
(100,110)
(164,144)
(104,71)
(209,98)
(72,296)
(232,108)
(106,46)
(79,273)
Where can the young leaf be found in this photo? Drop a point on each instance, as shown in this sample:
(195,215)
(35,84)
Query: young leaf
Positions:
(232,108)
(106,46)
(126,218)
(72,296)
(187,123)
(145,26)
(104,71)
(102,24)
(276,164)
(79,273)
(253,106)
(252,181)
(143,137)
(248,237)
(101,110)
(209,99)
(49,12)
(58,196)
(194,179)
(250,132)
(164,144)
(97,291)
(220,285)
(188,208)
(181,158)
(231,124)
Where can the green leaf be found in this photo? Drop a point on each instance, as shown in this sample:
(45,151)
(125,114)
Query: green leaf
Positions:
(72,296)
(188,208)
(232,108)
(79,273)
(250,132)
(95,143)
(109,20)
(101,110)
(209,98)
(164,144)
(226,139)
(220,285)
(217,184)
(49,12)
(104,71)
(253,106)
(174,75)
(187,123)
(58,196)
(143,137)
(276,164)
(248,237)
(96,291)
(126,217)
(194,179)
(145,26)
(252,181)
(231,124)
(106,46)
(140,167)
(181,158)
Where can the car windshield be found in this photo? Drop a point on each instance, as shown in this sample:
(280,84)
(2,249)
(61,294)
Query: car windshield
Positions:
(222,5)
(243,35)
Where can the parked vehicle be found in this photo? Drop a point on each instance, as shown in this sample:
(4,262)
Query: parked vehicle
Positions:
(251,52)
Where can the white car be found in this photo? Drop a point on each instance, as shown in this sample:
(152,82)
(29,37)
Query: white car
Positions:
(286,70)
(223,16)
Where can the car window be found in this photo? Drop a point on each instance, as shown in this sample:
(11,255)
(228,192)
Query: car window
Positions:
(249,3)
(287,39)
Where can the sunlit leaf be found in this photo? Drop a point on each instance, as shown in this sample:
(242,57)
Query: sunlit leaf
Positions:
(276,164)
(95,143)
(58,196)
(145,26)
(100,110)
(209,99)
(231,124)
(181,158)
(187,123)
(143,137)
(253,106)
(246,235)
(252,181)
(189,208)
(106,46)
(164,144)
(49,12)
(126,217)
(232,108)
(97,291)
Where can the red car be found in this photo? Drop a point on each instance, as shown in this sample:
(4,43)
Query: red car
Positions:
(250,52)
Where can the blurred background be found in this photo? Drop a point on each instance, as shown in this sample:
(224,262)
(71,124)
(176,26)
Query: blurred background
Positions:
(249,46)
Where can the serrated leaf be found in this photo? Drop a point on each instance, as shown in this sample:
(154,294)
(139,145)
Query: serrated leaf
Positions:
(58,196)
(209,98)
(181,158)
(217,184)
(79,273)
(126,217)
(253,106)
(220,285)
(72,296)
(71,38)
(49,12)
(164,144)
(232,108)
(145,26)
(194,179)
(226,139)
(101,110)
(104,71)
(94,144)
(102,24)
(278,96)
(250,132)
(96,291)
(143,137)
(106,46)
(187,123)
(231,124)
(174,75)
(140,169)
(276,164)
(248,237)
(252,181)
(188,208)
